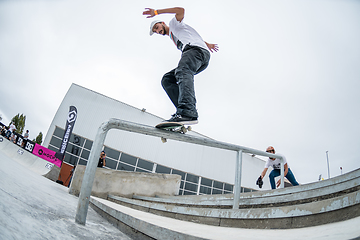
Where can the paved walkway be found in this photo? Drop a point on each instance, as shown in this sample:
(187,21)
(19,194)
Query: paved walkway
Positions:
(33,207)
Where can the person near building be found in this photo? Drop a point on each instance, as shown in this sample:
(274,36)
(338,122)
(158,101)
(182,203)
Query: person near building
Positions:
(10,130)
(25,138)
(276,165)
(179,82)
(102,162)
(3,131)
(13,136)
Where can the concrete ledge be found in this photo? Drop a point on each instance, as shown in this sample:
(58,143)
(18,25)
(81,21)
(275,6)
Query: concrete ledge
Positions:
(135,227)
(159,227)
(281,200)
(326,211)
(267,193)
(123,183)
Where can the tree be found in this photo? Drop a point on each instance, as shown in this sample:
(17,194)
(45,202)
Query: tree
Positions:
(19,121)
(38,139)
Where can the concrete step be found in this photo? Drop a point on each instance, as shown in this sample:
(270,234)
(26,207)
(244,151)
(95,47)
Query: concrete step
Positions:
(144,225)
(298,197)
(290,216)
(319,203)
(270,193)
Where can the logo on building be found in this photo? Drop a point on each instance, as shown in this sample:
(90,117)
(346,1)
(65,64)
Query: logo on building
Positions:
(72,116)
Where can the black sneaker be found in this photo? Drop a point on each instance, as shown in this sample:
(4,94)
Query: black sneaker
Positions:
(183,119)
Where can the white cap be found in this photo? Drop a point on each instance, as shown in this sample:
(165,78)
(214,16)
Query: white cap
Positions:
(152,26)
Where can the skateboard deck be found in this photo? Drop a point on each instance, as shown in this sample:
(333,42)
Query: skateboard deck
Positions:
(172,127)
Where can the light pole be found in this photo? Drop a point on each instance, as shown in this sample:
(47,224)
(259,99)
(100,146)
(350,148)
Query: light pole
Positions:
(327,157)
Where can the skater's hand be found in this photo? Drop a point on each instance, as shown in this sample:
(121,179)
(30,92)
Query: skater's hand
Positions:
(259,182)
(212,47)
(150,12)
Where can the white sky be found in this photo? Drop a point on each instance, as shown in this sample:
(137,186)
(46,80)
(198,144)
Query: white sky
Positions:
(287,73)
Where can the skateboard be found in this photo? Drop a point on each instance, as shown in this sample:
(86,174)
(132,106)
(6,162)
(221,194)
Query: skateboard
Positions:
(173,127)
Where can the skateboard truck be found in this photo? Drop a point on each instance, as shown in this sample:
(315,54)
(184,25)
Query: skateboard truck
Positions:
(180,128)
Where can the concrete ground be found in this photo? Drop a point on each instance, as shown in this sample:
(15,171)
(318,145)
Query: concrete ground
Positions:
(33,207)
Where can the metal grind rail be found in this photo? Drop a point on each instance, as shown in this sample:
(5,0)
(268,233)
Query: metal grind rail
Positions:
(113,123)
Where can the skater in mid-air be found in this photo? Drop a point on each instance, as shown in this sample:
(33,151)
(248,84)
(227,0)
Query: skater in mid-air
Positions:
(179,82)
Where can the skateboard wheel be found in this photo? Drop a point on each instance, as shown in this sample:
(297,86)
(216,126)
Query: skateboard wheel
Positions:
(164,140)
(189,128)
(183,129)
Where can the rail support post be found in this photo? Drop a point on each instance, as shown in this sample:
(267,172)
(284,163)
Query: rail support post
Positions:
(89,175)
(282,184)
(238,171)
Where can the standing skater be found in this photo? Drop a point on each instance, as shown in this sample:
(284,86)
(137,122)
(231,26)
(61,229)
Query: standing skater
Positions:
(179,82)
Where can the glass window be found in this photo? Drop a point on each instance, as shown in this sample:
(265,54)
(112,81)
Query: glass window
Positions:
(181,192)
(59,132)
(192,178)
(75,150)
(205,190)
(88,144)
(85,154)
(189,193)
(206,182)
(216,191)
(110,163)
(82,162)
(70,159)
(77,140)
(145,164)
(247,190)
(229,187)
(141,170)
(55,142)
(191,187)
(182,184)
(162,169)
(124,167)
(218,185)
(182,174)
(53,148)
(112,153)
(128,159)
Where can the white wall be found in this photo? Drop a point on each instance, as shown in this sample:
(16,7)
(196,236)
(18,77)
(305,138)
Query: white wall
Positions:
(94,109)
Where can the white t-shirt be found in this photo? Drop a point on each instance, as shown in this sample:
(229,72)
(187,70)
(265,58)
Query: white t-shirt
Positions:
(276,163)
(182,34)
(12,127)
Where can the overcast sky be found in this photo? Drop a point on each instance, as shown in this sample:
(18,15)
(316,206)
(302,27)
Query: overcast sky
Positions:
(287,73)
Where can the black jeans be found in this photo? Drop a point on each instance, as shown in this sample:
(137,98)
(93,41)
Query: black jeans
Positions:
(179,82)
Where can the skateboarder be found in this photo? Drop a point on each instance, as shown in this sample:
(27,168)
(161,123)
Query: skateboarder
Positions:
(275,163)
(179,82)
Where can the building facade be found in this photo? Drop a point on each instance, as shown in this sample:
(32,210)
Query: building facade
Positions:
(204,170)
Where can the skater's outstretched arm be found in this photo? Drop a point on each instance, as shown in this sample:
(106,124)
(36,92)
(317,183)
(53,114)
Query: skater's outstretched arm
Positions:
(179,12)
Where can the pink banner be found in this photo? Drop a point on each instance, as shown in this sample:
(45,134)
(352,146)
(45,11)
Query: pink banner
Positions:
(46,154)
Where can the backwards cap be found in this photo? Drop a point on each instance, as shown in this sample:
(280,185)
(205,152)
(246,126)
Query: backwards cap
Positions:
(152,26)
